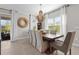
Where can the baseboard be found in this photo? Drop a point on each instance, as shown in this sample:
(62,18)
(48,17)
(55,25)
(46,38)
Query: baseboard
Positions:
(20,38)
(76,45)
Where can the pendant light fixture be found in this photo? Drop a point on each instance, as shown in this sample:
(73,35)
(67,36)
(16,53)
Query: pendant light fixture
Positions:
(40,16)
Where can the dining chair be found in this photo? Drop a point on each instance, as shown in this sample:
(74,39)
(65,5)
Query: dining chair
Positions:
(30,36)
(33,41)
(41,45)
(66,45)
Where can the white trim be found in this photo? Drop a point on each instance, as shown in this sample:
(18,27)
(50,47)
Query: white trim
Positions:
(76,45)
(12,27)
(0,29)
(65,21)
(5,13)
(20,38)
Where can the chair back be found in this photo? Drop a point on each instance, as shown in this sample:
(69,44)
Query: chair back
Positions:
(39,40)
(30,36)
(69,40)
(33,38)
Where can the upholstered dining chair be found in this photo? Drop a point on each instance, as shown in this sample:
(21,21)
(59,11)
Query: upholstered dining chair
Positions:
(33,38)
(66,45)
(41,45)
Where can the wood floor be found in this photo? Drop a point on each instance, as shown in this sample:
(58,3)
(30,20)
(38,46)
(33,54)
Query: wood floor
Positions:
(22,47)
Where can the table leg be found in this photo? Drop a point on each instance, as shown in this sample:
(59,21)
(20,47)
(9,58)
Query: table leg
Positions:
(48,49)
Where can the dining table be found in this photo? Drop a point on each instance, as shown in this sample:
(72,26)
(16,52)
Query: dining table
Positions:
(50,38)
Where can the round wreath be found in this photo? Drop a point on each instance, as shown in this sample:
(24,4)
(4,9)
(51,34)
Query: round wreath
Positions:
(22,22)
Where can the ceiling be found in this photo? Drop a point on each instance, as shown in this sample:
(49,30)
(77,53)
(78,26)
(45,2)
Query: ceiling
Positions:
(31,8)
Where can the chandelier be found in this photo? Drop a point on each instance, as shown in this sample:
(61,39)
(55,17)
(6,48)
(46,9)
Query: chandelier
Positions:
(40,16)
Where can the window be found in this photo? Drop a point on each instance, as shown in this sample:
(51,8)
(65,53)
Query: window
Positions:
(49,22)
(58,24)
(5,25)
(5,22)
(56,20)
(54,24)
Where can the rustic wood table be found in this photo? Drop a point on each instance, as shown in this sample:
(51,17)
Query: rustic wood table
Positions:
(50,38)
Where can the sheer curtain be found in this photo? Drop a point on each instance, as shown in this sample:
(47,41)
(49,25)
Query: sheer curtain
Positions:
(57,17)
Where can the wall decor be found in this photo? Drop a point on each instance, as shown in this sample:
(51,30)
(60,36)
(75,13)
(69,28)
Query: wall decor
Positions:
(40,17)
(22,22)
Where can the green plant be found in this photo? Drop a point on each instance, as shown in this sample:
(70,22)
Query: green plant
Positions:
(5,28)
(54,28)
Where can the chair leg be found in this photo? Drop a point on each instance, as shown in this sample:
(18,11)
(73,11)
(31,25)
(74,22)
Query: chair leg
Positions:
(70,52)
(56,52)
(65,53)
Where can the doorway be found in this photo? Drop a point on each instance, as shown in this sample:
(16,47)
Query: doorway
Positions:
(5,27)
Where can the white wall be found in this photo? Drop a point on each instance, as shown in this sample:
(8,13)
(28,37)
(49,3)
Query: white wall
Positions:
(25,10)
(73,20)
(16,32)
(34,8)
(19,33)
